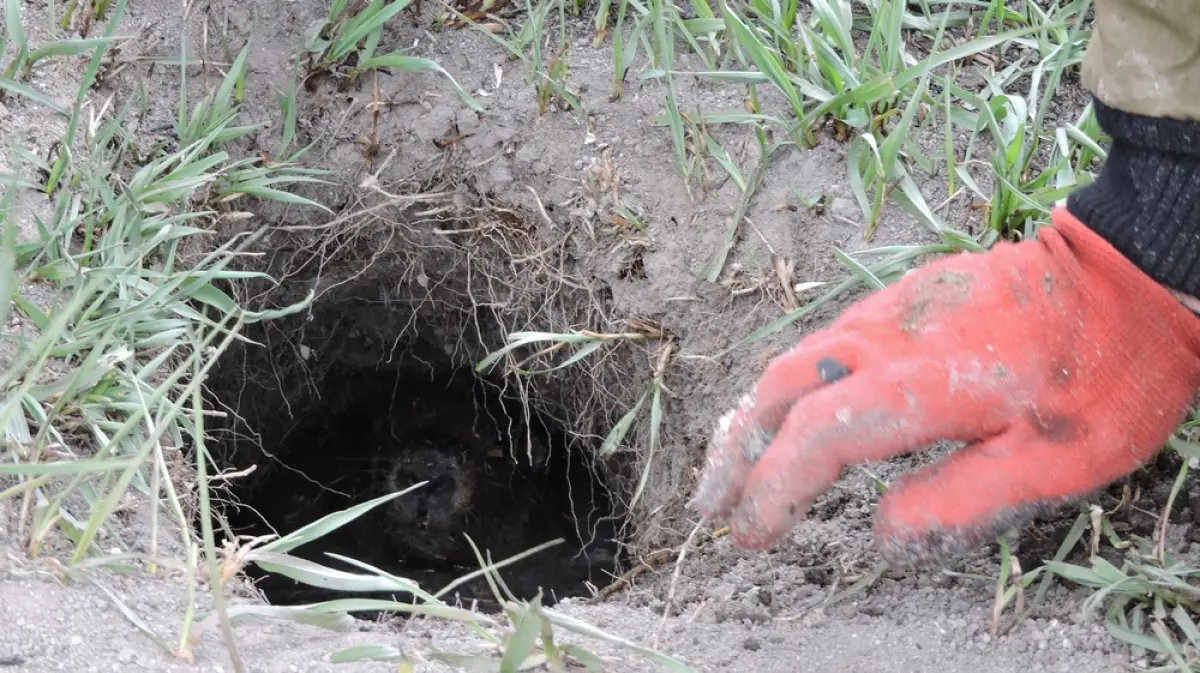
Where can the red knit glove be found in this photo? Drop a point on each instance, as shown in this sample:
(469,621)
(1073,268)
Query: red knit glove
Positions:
(1062,364)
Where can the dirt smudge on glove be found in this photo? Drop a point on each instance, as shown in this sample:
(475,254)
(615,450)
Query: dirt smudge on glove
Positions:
(931,295)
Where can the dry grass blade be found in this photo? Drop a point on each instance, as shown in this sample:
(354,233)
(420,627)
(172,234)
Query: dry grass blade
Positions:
(859,586)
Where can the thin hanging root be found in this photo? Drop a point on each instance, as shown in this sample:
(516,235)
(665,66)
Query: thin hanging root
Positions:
(683,549)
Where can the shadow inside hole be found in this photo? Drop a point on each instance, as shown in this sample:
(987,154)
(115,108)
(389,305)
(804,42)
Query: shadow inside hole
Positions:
(365,431)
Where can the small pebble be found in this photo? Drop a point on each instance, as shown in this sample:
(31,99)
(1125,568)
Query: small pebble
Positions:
(845,208)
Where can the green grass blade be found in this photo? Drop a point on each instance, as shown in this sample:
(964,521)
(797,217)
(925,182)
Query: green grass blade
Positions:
(405,63)
(8,264)
(374,652)
(67,48)
(764,58)
(330,523)
(14,87)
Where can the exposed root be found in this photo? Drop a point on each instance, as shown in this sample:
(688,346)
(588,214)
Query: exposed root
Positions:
(656,560)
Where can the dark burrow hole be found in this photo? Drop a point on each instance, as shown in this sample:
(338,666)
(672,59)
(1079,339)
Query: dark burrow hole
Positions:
(365,415)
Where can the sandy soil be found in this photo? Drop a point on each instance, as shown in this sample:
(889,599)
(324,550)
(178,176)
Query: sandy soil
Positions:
(730,610)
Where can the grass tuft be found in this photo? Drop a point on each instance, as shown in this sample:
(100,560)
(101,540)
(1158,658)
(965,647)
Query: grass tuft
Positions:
(347,40)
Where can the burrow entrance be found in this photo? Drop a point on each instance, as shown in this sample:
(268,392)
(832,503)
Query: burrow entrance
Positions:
(372,389)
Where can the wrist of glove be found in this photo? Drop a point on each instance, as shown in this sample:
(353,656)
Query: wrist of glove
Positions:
(1060,363)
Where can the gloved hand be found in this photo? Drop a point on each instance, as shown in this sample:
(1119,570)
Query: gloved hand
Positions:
(1062,365)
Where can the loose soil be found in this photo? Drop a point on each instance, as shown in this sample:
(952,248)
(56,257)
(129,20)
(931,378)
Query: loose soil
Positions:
(458,229)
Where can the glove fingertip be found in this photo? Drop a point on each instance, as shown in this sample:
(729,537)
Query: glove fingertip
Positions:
(726,468)
(761,521)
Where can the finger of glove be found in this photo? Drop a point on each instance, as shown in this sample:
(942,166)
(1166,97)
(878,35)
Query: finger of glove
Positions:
(743,434)
(967,499)
(870,416)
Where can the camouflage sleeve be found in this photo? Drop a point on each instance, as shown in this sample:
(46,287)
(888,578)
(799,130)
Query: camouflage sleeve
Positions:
(1144,57)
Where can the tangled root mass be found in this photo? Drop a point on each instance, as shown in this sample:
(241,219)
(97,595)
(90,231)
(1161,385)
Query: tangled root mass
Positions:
(372,391)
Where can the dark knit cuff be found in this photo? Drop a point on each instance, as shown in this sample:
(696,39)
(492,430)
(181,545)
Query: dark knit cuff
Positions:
(1146,200)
